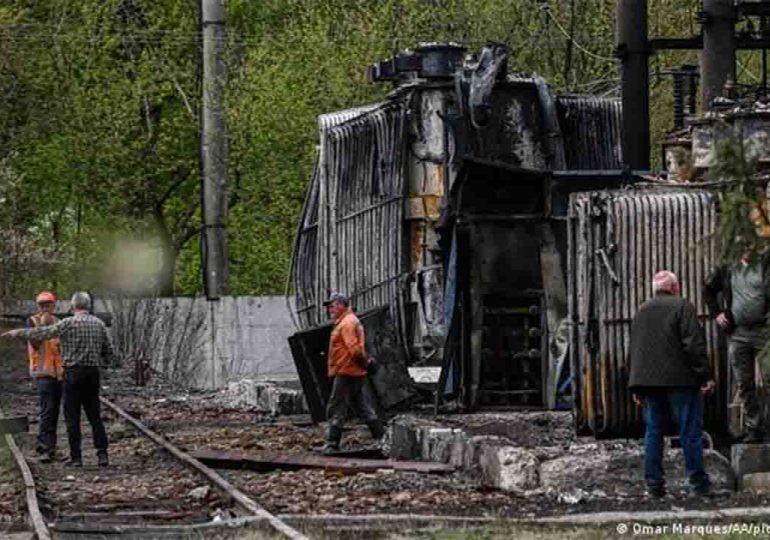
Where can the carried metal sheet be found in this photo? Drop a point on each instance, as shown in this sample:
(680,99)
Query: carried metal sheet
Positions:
(391,382)
(617,241)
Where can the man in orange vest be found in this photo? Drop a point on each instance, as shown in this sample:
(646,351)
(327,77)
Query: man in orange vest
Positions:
(45,366)
(85,345)
(348,365)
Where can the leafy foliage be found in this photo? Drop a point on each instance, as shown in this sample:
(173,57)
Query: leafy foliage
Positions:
(743,204)
(99,105)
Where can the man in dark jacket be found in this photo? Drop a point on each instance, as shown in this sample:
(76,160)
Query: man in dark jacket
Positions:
(737,298)
(669,374)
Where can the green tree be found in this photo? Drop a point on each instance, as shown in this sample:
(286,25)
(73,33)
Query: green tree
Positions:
(99,107)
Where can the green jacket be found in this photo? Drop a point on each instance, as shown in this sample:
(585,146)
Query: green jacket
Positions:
(668,346)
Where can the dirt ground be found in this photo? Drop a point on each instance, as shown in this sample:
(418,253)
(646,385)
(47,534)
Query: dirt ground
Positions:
(143,477)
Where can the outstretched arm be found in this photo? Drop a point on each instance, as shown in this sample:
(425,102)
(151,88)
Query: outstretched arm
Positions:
(39,333)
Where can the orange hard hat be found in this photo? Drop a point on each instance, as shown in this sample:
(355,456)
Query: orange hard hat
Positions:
(45,296)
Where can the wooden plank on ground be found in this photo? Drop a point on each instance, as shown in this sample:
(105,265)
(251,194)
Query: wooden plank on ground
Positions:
(238,496)
(272,461)
(35,516)
(13,424)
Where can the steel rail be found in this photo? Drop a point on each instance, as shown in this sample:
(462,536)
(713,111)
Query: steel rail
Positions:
(238,496)
(33,508)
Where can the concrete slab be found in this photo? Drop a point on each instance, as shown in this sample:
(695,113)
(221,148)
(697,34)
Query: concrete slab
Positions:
(405,436)
(758,482)
(621,470)
(529,460)
(264,397)
(509,468)
(425,375)
(750,458)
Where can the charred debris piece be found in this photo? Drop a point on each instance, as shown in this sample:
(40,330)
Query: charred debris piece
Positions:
(269,462)
(492,230)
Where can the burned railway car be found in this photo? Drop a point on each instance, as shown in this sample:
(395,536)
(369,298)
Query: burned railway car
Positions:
(451,207)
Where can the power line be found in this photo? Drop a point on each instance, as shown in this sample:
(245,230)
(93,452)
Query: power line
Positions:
(547,9)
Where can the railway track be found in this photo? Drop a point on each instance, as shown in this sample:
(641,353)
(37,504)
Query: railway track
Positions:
(151,489)
(115,501)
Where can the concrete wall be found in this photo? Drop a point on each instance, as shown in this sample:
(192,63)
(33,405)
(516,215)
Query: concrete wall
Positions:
(204,344)
(249,339)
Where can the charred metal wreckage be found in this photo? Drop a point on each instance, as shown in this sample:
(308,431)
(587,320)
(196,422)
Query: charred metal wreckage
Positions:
(462,214)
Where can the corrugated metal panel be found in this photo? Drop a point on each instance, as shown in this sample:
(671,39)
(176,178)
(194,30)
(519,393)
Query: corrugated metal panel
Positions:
(330,120)
(618,240)
(591,130)
(351,238)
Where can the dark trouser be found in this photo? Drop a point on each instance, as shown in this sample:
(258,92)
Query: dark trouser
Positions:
(349,393)
(743,353)
(81,389)
(49,392)
(686,404)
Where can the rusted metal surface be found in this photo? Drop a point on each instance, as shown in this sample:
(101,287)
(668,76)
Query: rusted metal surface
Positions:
(591,129)
(517,135)
(618,240)
(269,462)
(379,218)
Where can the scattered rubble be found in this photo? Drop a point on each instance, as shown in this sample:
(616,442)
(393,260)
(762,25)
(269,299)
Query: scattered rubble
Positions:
(263,397)
(509,468)
(559,463)
(518,464)
(200,493)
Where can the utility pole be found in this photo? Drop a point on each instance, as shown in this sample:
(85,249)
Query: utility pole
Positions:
(213,151)
(718,56)
(633,51)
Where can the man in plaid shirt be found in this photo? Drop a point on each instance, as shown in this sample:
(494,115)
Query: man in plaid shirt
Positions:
(85,345)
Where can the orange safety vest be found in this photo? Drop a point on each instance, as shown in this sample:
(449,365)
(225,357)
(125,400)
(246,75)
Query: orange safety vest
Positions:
(346,347)
(45,358)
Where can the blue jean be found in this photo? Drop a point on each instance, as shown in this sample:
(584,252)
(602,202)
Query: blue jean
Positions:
(686,405)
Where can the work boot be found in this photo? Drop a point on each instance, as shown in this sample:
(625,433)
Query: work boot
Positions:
(74,462)
(102,459)
(377,428)
(332,440)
